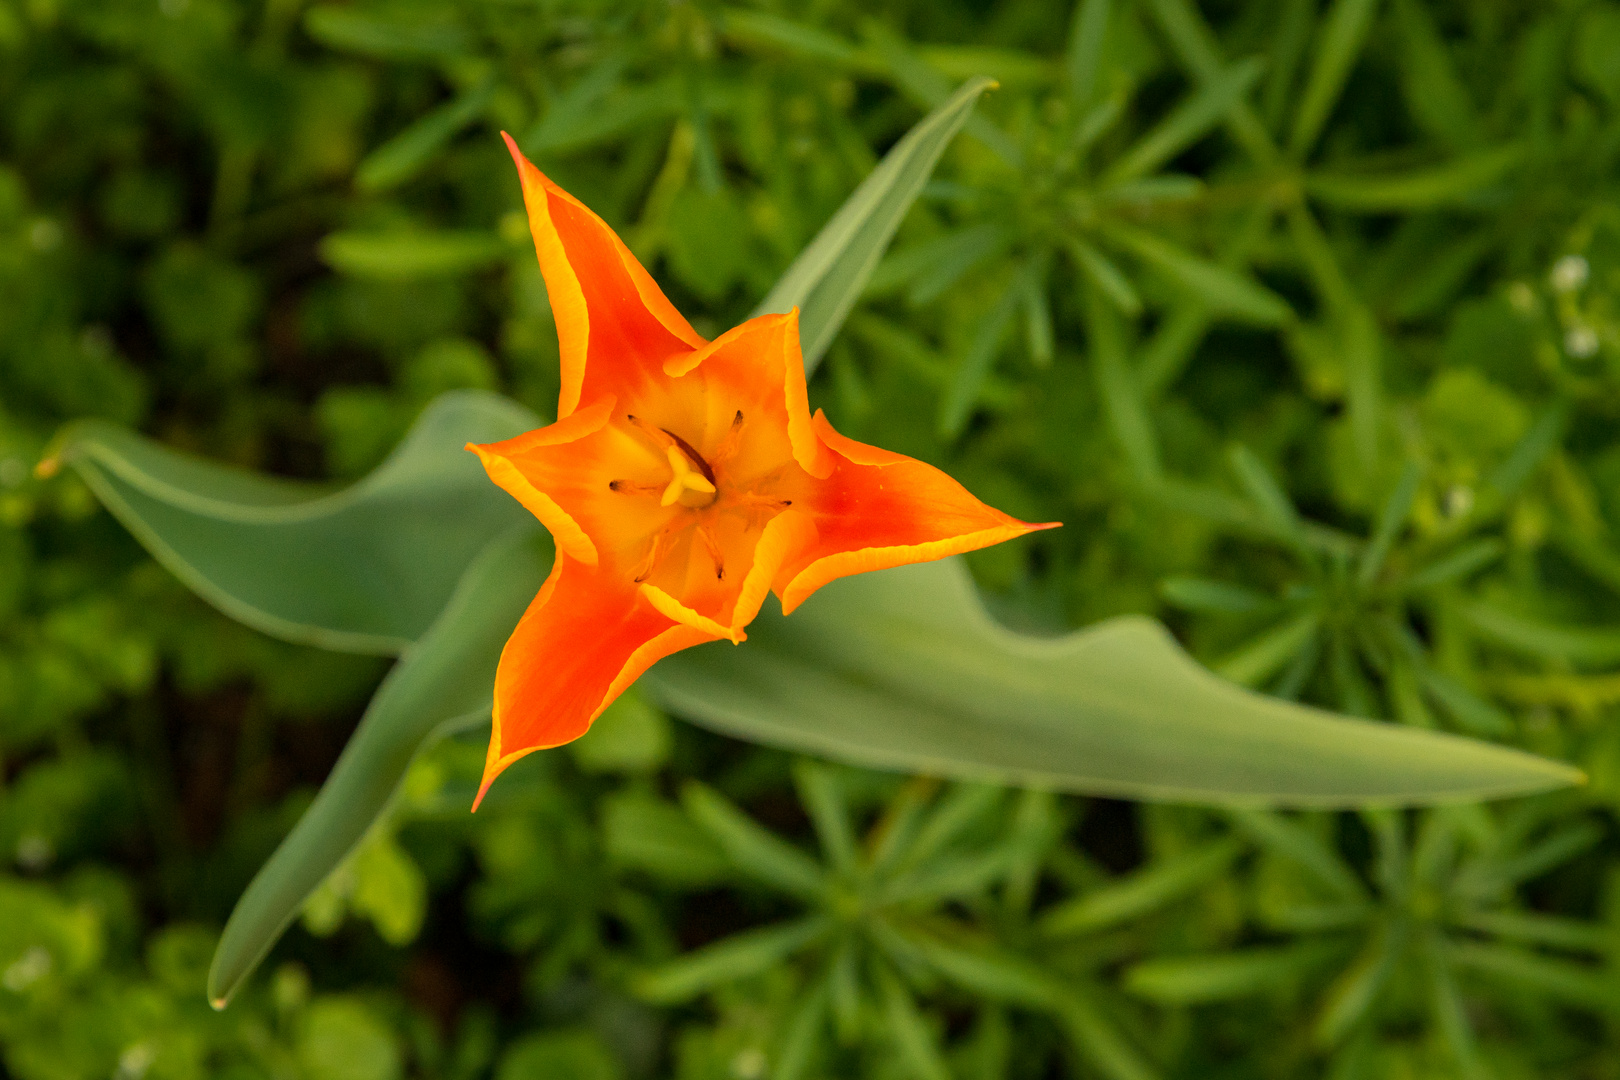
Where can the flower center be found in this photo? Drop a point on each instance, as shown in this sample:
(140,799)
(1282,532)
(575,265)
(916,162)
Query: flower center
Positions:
(709,505)
(690,487)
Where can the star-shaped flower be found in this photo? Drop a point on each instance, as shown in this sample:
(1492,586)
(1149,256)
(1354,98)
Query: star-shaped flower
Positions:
(682,480)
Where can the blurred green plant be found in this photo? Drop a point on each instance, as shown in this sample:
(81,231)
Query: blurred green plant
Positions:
(1344,239)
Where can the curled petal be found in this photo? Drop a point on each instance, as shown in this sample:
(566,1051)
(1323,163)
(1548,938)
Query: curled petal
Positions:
(879,509)
(585,638)
(503,462)
(762,357)
(614,325)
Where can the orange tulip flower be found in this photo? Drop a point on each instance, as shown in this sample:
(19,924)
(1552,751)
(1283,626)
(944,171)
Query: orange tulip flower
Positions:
(682,480)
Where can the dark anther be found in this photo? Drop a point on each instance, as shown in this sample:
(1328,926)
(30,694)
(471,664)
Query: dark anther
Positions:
(613,485)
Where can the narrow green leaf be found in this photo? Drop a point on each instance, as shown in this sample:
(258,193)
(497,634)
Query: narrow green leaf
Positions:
(962,807)
(641,831)
(1289,840)
(350,29)
(1534,928)
(366,569)
(1422,189)
(1288,41)
(803,1035)
(407,153)
(1082,60)
(1139,892)
(1195,46)
(1450,1015)
(443,681)
(753,848)
(1352,994)
(1037,314)
(1455,565)
(844,988)
(1390,520)
(1098,1040)
(728,960)
(1195,980)
(830,274)
(411,256)
(1127,416)
(995,975)
(972,371)
(1338,46)
(1530,451)
(903,669)
(1521,971)
(1187,123)
(1472,713)
(930,88)
(1224,291)
(1166,353)
(756,29)
(1217,597)
(1106,276)
(1267,495)
(1575,645)
(822,796)
(1435,92)
(1363,379)
(919,1049)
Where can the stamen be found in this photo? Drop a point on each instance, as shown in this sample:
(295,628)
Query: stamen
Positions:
(656,552)
(660,438)
(713,546)
(630,487)
(729,441)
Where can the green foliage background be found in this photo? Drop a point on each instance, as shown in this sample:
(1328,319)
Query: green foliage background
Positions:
(1305,318)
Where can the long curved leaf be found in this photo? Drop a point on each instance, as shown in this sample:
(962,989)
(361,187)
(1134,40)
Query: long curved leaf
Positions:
(903,669)
(442,682)
(364,569)
(829,275)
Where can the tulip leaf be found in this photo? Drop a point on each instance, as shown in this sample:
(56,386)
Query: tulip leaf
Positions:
(363,569)
(441,683)
(903,669)
(829,275)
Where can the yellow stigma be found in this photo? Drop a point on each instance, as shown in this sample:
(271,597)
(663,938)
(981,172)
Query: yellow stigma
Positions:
(687,486)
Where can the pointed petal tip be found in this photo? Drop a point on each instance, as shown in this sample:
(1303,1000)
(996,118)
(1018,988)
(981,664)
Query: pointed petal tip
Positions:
(218,1003)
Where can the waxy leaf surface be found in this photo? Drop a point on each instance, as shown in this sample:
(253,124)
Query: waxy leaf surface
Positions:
(904,669)
(364,569)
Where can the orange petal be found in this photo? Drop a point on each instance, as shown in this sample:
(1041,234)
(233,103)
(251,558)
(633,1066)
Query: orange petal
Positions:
(614,325)
(763,355)
(503,461)
(879,509)
(584,639)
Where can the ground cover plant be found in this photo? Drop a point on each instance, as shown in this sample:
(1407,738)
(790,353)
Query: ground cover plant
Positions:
(1301,317)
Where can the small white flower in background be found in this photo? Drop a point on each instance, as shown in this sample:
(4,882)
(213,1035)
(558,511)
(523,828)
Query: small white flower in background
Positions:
(1581,342)
(1569,273)
(27,969)
(134,1061)
(34,852)
(44,234)
(749,1064)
